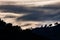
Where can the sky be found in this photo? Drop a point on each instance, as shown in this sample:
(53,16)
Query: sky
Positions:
(30,13)
(29,2)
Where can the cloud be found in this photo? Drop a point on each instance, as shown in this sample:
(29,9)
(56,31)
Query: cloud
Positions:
(10,16)
(28,2)
(14,9)
(45,13)
(23,15)
(39,13)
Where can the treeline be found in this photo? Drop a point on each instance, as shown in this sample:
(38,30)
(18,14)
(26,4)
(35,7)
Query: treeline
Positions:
(7,31)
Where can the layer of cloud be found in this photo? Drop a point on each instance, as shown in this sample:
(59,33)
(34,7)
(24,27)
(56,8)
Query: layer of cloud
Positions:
(30,16)
(33,14)
(28,2)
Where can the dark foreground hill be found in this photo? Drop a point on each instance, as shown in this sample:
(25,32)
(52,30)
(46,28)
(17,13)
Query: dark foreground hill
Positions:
(9,32)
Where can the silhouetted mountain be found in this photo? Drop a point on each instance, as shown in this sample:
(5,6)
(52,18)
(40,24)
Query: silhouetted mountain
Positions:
(8,32)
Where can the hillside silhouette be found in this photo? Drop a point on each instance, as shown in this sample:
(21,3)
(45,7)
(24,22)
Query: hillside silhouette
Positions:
(9,32)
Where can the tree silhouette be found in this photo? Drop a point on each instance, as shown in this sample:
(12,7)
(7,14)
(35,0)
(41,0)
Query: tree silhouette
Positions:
(50,25)
(7,31)
(56,23)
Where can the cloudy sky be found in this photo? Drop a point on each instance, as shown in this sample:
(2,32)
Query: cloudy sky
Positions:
(30,13)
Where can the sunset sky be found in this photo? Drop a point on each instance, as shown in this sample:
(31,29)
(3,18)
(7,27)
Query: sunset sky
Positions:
(30,2)
(32,12)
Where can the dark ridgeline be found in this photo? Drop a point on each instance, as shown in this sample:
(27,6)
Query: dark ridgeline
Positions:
(9,32)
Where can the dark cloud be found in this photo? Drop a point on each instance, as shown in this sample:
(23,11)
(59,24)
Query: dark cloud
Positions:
(16,9)
(34,13)
(10,16)
(53,7)
(41,15)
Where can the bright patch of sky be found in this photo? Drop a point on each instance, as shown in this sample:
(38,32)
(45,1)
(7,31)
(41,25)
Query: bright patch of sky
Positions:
(31,2)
